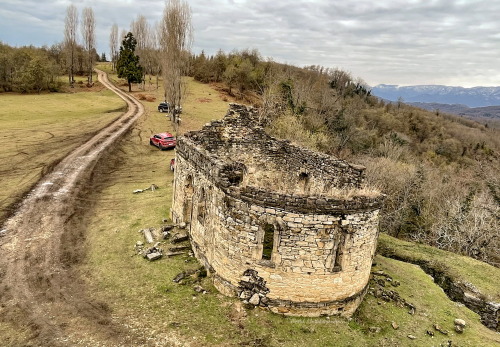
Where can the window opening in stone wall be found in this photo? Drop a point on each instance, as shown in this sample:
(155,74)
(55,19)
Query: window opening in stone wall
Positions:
(188,199)
(338,253)
(304,181)
(268,243)
(202,206)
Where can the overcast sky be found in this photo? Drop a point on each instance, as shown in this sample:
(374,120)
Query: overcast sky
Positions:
(405,42)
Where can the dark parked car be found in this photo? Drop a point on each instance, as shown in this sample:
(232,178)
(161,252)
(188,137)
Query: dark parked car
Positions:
(164,107)
(163,140)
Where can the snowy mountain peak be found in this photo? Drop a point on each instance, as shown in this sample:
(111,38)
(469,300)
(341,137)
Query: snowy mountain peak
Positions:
(472,97)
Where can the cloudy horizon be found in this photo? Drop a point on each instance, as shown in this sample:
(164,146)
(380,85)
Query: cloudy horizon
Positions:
(449,42)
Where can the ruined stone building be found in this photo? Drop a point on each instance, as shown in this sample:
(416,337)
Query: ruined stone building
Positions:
(275,224)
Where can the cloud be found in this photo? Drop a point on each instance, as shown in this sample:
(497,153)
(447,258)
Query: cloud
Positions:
(385,41)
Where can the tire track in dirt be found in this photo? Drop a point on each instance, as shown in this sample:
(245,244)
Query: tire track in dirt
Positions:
(38,287)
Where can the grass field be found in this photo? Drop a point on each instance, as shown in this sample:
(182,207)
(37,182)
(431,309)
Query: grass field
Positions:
(36,131)
(143,298)
(484,277)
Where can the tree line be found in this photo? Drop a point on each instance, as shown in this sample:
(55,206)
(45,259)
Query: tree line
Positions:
(31,69)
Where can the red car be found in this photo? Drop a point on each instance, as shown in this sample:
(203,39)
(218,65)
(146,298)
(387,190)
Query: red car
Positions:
(163,140)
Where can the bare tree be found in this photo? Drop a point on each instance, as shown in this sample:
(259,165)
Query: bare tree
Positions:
(88,34)
(70,39)
(176,39)
(154,58)
(140,28)
(123,34)
(113,45)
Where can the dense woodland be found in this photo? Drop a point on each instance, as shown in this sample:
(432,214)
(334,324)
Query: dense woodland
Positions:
(32,69)
(440,172)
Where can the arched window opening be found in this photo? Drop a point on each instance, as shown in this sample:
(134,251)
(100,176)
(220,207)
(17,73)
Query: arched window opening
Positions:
(338,252)
(268,242)
(304,182)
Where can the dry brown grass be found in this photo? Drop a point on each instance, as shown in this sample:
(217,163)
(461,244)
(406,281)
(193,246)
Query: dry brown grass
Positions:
(36,131)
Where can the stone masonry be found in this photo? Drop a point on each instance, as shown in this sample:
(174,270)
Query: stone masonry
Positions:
(275,224)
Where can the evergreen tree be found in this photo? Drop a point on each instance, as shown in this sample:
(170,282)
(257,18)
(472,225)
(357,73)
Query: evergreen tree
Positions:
(128,66)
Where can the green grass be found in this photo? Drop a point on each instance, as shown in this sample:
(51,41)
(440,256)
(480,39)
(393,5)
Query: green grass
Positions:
(484,277)
(37,131)
(143,297)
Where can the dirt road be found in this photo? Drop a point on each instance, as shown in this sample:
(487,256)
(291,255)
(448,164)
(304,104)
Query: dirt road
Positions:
(41,295)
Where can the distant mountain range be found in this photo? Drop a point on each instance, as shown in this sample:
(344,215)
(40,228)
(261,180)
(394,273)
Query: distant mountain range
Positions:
(471,97)
(477,113)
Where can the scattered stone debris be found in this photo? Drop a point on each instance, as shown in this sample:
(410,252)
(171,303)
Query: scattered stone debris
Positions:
(200,289)
(395,325)
(459,325)
(153,253)
(165,235)
(237,314)
(179,237)
(430,333)
(193,274)
(180,276)
(441,330)
(412,337)
(252,289)
(375,330)
(377,289)
(182,225)
(164,220)
(3,232)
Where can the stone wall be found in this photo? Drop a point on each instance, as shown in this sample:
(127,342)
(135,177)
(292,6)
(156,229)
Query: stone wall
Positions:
(322,244)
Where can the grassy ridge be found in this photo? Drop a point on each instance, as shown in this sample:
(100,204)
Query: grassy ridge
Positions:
(143,297)
(460,268)
(37,131)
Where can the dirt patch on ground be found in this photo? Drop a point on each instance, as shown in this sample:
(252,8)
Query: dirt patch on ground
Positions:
(204,100)
(40,244)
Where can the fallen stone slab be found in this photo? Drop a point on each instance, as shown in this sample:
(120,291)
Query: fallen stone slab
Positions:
(179,238)
(148,235)
(153,256)
(167,227)
(179,248)
(183,275)
(173,254)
